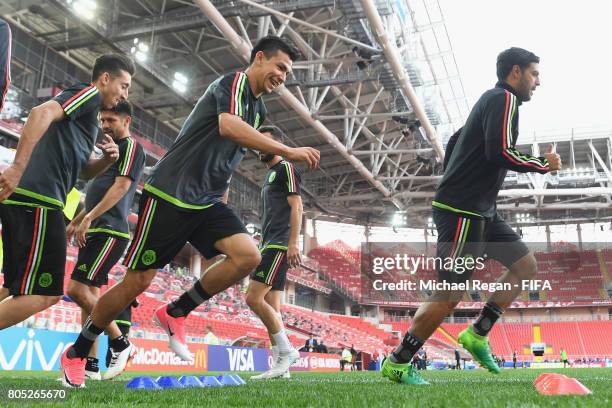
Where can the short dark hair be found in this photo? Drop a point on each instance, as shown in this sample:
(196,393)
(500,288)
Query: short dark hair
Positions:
(511,57)
(276,132)
(270,45)
(113,64)
(122,108)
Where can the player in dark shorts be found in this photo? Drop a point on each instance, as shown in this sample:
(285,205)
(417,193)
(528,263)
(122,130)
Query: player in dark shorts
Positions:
(466,217)
(5,60)
(55,148)
(182,200)
(281,224)
(102,231)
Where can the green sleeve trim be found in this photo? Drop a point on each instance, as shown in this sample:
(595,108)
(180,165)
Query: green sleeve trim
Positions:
(274,246)
(13,202)
(456,210)
(172,200)
(39,197)
(109,231)
(81,102)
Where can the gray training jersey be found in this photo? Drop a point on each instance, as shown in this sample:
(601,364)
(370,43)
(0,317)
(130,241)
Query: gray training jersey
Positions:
(196,170)
(62,152)
(282,180)
(130,164)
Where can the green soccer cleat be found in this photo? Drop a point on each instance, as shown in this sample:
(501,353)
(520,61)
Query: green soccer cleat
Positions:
(401,373)
(478,346)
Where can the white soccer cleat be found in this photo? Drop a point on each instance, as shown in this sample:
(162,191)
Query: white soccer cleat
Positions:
(281,368)
(263,376)
(119,361)
(92,375)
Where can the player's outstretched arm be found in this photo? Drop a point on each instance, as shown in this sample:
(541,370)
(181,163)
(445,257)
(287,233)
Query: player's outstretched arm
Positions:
(235,129)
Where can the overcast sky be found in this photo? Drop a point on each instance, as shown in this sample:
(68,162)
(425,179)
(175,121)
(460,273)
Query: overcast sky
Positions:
(573,40)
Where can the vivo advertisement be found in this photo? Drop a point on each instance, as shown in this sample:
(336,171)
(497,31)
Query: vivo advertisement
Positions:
(40,350)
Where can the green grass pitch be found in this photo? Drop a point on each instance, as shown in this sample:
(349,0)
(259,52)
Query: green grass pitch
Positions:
(475,388)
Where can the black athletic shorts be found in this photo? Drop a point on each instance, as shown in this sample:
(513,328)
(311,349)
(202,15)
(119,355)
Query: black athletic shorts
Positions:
(461,237)
(163,229)
(34,246)
(272,270)
(101,252)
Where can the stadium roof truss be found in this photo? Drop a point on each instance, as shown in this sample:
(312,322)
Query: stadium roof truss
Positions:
(377,91)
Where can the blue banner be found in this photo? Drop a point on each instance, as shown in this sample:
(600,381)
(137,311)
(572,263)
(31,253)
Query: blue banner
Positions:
(37,349)
(221,358)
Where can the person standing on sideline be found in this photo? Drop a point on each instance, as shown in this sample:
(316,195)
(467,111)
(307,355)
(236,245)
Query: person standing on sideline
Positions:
(457,360)
(210,337)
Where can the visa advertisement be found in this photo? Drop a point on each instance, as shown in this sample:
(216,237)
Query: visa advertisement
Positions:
(40,350)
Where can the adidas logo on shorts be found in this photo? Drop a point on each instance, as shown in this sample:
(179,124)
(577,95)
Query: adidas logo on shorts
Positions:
(83,268)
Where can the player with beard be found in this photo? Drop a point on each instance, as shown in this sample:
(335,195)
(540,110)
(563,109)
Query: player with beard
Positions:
(465,213)
(102,232)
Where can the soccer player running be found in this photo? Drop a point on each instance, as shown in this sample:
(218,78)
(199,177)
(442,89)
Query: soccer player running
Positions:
(102,231)
(281,224)
(466,217)
(182,201)
(54,149)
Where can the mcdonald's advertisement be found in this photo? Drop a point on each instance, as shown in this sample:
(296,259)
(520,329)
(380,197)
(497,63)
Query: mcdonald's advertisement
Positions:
(155,355)
(40,350)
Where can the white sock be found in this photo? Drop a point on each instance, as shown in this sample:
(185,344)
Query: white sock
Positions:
(274,355)
(282,342)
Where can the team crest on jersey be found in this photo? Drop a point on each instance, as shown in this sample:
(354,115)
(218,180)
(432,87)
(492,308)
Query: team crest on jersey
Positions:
(271,177)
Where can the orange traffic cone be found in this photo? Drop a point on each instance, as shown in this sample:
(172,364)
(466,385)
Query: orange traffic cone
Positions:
(559,384)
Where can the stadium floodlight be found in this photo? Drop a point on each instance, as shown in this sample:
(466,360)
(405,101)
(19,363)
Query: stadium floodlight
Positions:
(140,50)
(399,219)
(84,8)
(141,56)
(143,47)
(180,82)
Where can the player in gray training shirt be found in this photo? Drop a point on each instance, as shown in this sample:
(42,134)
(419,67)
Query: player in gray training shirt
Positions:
(102,232)
(55,147)
(281,224)
(182,202)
